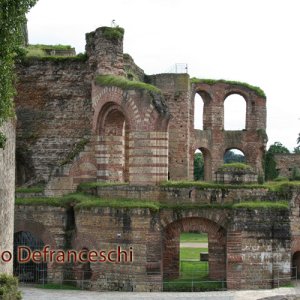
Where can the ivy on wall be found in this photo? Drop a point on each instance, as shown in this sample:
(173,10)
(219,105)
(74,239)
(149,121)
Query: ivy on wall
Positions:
(12,20)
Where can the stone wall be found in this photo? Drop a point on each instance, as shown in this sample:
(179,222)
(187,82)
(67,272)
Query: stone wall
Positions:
(258,249)
(214,141)
(285,164)
(249,248)
(7,193)
(53,106)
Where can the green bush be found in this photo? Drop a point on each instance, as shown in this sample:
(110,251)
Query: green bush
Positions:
(9,288)
(296,173)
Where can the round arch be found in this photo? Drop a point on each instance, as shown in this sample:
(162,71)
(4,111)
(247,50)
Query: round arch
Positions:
(216,245)
(234,154)
(235,111)
(112,150)
(204,110)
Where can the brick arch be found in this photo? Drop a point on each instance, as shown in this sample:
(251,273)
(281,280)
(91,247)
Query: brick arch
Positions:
(113,127)
(38,230)
(216,245)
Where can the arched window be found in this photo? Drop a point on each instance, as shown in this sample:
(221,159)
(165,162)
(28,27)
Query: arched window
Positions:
(235,112)
(202,164)
(234,155)
(198,165)
(198,112)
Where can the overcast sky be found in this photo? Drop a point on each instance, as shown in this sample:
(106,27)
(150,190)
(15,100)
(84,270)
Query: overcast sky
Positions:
(255,41)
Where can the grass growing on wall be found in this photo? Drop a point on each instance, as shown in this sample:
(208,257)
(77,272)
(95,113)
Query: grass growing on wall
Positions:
(258,91)
(262,205)
(123,83)
(235,165)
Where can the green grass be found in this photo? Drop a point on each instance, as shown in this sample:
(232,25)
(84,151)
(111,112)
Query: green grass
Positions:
(262,205)
(121,82)
(86,201)
(57,286)
(272,186)
(85,186)
(188,237)
(258,91)
(29,190)
(191,253)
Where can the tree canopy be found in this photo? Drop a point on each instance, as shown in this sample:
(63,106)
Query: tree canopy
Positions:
(12,20)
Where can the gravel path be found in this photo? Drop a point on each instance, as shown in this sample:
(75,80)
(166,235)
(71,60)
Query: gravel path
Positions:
(30,293)
(193,245)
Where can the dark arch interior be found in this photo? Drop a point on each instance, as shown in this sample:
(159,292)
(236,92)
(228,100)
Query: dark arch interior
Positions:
(29,271)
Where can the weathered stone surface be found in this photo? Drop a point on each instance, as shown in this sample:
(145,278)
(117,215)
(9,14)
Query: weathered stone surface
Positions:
(7,193)
(285,163)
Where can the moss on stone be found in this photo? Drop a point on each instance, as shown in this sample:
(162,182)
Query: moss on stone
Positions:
(123,83)
(78,147)
(256,89)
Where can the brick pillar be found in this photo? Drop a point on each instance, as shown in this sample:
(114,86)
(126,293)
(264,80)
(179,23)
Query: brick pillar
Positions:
(148,157)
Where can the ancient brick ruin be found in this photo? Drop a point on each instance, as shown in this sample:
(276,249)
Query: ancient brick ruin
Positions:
(75,126)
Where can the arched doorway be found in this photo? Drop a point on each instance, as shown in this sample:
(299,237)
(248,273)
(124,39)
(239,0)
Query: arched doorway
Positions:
(29,271)
(216,248)
(112,152)
(296,265)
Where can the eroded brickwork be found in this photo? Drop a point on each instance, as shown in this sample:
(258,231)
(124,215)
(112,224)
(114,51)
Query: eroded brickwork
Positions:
(286,163)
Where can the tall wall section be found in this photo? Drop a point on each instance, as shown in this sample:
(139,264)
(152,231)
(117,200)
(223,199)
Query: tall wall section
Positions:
(213,140)
(7,193)
(53,106)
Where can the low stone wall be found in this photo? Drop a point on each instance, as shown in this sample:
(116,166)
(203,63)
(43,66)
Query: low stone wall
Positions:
(192,195)
(255,243)
(7,193)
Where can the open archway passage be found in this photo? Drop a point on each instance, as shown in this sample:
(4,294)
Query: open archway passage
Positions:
(234,156)
(28,272)
(193,279)
(296,265)
(235,112)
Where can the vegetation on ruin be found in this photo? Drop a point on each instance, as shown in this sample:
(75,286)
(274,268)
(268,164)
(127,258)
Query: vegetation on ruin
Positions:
(9,288)
(30,190)
(262,205)
(258,91)
(85,186)
(12,19)
(113,33)
(272,186)
(39,56)
(77,148)
(271,171)
(123,83)
(235,166)
(40,50)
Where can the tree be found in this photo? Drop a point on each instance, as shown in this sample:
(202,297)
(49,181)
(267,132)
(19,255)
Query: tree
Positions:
(231,157)
(297,150)
(198,166)
(298,139)
(12,20)
(270,163)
